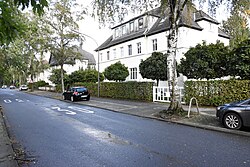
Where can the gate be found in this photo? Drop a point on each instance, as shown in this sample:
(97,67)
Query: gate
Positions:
(162,94)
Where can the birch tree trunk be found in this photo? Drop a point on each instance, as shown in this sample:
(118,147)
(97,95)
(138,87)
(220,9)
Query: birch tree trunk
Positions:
(62,78)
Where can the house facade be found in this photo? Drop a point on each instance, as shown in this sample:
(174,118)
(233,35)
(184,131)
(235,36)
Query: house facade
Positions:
(85,61)
(135,40)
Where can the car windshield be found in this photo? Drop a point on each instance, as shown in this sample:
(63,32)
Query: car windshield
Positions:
(81,89)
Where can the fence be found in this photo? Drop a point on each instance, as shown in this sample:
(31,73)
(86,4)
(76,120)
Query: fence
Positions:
(163,94)
(46,88)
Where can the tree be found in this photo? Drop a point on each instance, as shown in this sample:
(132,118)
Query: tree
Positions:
(173,9)
(11,25)
(237,24)
(62,21)
(88,75)
(55,77)
(92,76)
(240,60)
(116,72)
(205,61)
(155,67)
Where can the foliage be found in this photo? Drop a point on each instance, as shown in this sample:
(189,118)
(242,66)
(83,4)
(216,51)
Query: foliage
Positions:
(37,5)
(122,90)
(116,72)
(11,22)
(240,60)
(19,56)
(88,75)
(206,61)
(154,67)
(214,93)
(55,77)
(62,20)
(40,84)
(237,24)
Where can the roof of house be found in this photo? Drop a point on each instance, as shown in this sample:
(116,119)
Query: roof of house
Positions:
(84,55)
(162,24)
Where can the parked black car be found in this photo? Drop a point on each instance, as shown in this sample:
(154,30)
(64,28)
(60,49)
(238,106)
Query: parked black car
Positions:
(76,93)
(234,115)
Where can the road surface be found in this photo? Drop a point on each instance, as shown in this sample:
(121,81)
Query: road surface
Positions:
(64,134)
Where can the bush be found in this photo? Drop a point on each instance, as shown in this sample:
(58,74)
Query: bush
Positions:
(214,93)
(142,91)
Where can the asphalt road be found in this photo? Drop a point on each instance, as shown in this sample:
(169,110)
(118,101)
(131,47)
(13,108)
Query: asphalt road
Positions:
(64,134)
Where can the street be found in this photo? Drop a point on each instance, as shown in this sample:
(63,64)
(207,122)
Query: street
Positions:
(55,133)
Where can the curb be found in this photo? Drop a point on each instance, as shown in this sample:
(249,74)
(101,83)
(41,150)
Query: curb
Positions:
(7,155)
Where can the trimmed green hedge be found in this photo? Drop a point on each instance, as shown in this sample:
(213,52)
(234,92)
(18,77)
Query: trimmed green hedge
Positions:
(122,90)
(214,93)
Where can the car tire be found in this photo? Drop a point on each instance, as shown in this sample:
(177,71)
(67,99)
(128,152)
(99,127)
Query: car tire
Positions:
(72,98)
(88,98)
(232,121)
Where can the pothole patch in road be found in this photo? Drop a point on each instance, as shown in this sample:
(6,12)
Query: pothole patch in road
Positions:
(105,136)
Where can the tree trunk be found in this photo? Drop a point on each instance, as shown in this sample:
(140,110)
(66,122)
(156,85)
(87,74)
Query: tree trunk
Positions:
(175,104)
(62,80)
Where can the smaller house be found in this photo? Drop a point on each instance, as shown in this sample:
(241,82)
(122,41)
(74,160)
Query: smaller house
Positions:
(86,60)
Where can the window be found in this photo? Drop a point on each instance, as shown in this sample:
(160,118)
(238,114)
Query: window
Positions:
(140,23)
(122,51)
(154,44)
(116,32)
(129,49)
(114,53)
(131,26)
(124,30)
(139,47)
(133,73)
(107,55)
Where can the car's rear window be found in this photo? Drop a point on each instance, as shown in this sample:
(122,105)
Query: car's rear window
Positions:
(81,89)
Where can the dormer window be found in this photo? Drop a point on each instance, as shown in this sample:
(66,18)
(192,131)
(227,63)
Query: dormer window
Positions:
(124,30)
(131,26)
(116,32)
(140,23)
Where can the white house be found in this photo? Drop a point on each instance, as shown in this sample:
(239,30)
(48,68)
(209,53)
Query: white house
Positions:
(85,61)
(136,39)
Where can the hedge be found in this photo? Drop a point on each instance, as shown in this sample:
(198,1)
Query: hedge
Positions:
(142,91)
(214,93)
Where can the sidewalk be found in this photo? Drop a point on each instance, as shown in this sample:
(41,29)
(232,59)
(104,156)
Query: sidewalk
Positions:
(6,151)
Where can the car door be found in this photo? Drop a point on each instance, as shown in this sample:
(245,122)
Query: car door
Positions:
(68,93)
(246,115)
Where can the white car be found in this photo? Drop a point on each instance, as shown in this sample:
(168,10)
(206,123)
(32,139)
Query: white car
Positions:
(23,87)
(4,87)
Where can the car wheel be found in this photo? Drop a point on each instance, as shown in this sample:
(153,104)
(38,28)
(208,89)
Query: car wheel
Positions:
(72,98)
(88,98)
(232,121)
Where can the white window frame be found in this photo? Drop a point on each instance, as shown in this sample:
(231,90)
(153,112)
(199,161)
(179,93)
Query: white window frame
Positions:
(139,47)
(131,26)
(124,30)
(122,51)
(114,53)
(154,42)
(133,73)
(130,50)
(140,23)
(108,55)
